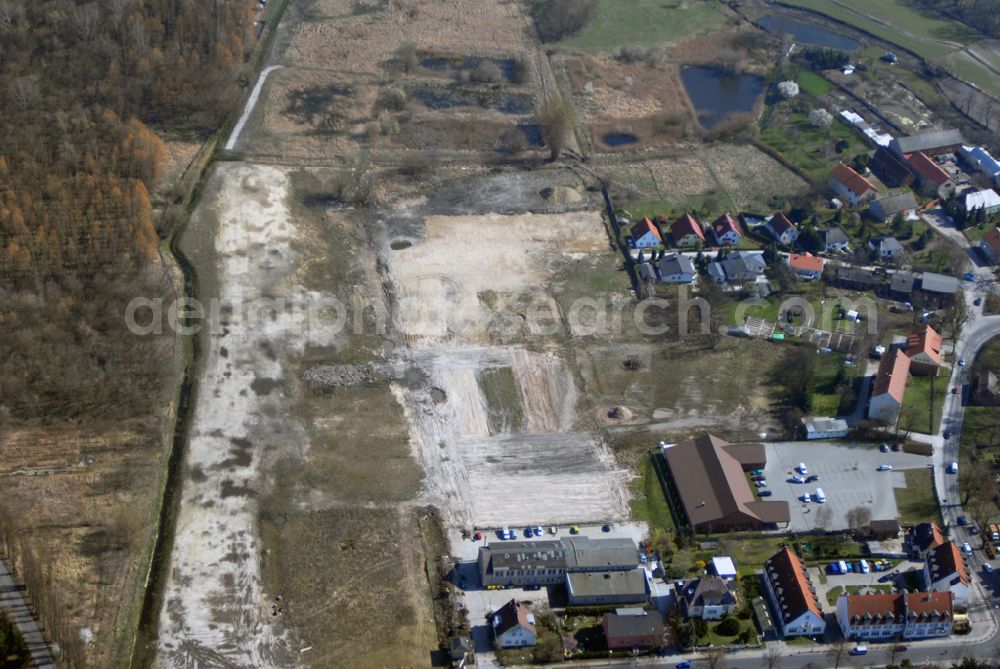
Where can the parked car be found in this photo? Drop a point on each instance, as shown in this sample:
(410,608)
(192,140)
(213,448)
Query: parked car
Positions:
(765,493)
(988,568)
(865,568)
(812,477)
(966,548)
(513,534)
(978,301)
(962,520)
(806,497)
(961,362)
(956,390)
(885,468)
(761,484)
(539,531)
(969,276)
(947,434)
(884,448)
(575,529)
(757,472)
(683,665)
(953,467)
(802,468)
(552,530)
(859,650)
(796,479)
(759,477)
(606,528)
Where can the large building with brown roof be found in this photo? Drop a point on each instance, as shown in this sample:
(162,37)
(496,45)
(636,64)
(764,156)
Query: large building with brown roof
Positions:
(923,348)
(890,385)
(707,473)
(792,596)
(907,615)
(850,185)
(945,571)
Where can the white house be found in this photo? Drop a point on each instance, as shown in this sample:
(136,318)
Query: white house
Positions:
(944,571)
(825,428)
(984,199)
(513,625)
(885,617)
(782,229)
(645,235)
(676,268)
(834,239)
(707,598)
(792,596)
(885,247)
(726,230)
(885,209)
(850,185)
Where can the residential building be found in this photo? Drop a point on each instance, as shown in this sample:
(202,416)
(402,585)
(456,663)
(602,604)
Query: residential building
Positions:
(834,239)
(923,347)
(925,537)
(545,562)
(825,428)
(743,267)
(931,177)
(805,265)
(945,571)
(932,142)
(716,272)
(891,168)
(917,615)
(676,268)
(792,596)
(645,235)
(850,185)
(880,530)
(782,229)
(901,286)
(890,385)
(513,625)
(726,230)
(633,630)
(938,289)
(707,598)
(885,248)
(886,208)
(987,200)
(462,652)
(980,160)
(707,474)
(597,588)
(989,245)
(723,567)
(857,279)
(686,232)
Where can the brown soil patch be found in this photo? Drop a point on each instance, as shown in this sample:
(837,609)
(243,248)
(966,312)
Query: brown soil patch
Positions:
(624,90)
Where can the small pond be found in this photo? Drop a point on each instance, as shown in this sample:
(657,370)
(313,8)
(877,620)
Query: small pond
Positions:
(457,65)
(614,139)
(807,33)
(717,94)
(437,98)
(532,132)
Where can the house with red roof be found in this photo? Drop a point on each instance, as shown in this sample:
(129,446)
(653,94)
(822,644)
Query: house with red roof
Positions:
(513,625)
(890,385)
(805,265)
(945,571)
(686,232)
(645,235)
(989,245)
(782,229)
(726,230)
(930,176)
(923,347)
(906,615)
(850,185)
(792,596)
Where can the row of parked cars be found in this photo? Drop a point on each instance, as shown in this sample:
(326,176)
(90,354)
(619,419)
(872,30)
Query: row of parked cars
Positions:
(859,567)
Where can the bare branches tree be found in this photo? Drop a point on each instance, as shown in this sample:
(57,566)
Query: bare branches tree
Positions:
(772,657)
(556,120)
(85,19)
(837,652)
(24,90)
(715,658)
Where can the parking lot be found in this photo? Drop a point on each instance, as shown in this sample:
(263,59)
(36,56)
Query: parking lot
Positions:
(847,474)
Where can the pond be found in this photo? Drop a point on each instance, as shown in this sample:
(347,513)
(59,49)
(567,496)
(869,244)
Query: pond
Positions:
(619,139)
(454,66)
(717,94)
(808,33)
(437,98)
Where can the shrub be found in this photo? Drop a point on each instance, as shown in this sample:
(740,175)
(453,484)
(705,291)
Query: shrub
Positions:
(406,57)
(487,72)
(392,98)
(700,627)
(559,19)
(556,119)
(389,126)
(729,626)
(521,71)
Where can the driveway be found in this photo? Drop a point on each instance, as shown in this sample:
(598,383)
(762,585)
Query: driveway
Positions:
(848,476)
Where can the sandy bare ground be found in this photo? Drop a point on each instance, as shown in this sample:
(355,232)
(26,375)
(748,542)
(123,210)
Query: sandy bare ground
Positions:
(215,611)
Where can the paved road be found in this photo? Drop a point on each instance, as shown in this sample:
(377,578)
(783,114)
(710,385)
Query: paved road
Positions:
(17,611)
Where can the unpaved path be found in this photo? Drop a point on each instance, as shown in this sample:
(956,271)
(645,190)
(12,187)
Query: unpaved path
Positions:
(248,109)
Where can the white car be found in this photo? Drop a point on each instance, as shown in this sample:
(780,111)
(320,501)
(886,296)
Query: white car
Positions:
(953,468)
(761,484)
(806,497)
(961,362)
(988,568)
(539,531)
(796,479)
(966,548)
(885,468)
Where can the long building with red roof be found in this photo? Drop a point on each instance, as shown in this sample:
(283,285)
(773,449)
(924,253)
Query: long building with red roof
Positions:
(792,596)
(890,385)
(907,615)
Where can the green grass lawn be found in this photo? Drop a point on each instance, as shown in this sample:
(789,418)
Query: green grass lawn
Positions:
(916,502)
(826,399)
(805,146)
(922,411)
(836,591)
(713,637)
(814,84)
(646,23)
(649,504)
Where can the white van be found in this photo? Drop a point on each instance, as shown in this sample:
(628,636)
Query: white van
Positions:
(953,468)
(806,497)
(820,496)
(859,650)
(802,468)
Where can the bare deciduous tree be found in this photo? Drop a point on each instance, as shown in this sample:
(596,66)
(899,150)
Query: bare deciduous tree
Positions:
(24,90)
(837,652)
(772,657)
(556,120)
(85,19)
(715,658)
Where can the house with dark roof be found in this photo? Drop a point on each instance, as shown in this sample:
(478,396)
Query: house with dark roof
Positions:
(938,289)
(782,229)
(743,267)
(931,177)
(850,185)
(546,562)
(932,142)
(513,625)
(634,630)
(676,268)
(901,286)
(886,208)
(886,248)
(923,347)
(945,571)
(890,386)
(726,230)
(792,596)
(989,246)
(834,239)
(600,588)
(925,537)
(708,475)
(906,615)
(880,530)
(645,235)
(891,168)
(707,598)
(854,278)
(686,232)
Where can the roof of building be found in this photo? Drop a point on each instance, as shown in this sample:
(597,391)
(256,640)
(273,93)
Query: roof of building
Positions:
(885,244)
(460,646)
(607,583)
(992,239)
(619,626)
(893,373)
(928,141)
(675,263)
(883,609)
(938,283)
(895,204)
(645,226)
(805,262)
(982,159)
(711,587)
(927,536)
(888,525)
(723,224)
(889,167)
(791,585)
(582,552)
(686,225)
(984,198)
(711,483)
(946,560)
(723,566)
(834,235)
(902,282)
(510,615)
(929,606)
(855,275)
(814,425)
(779,223)
(740,265)
(524,555)
(851,180)
(925,340)
(716,271)
(926,168)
